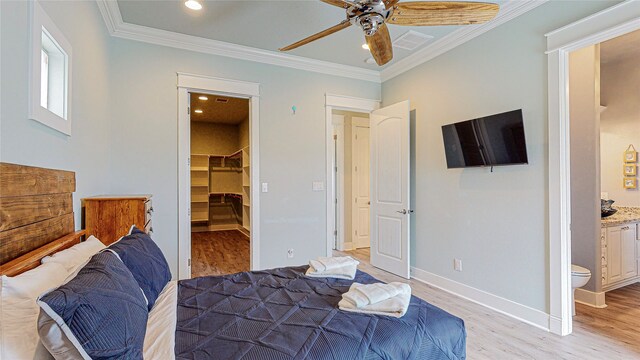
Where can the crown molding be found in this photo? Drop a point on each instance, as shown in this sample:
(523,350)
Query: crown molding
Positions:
(118,28)
(508,11)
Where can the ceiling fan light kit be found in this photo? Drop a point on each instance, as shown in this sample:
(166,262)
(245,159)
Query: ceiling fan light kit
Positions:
(193,4)
(372,16)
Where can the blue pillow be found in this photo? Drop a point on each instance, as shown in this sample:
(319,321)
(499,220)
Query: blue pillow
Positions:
(101,313)
(145,261)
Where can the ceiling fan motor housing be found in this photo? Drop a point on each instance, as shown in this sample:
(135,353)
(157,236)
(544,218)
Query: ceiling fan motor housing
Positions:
(369,15)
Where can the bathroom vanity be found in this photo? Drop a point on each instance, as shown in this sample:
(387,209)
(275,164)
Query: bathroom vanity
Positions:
(620,248)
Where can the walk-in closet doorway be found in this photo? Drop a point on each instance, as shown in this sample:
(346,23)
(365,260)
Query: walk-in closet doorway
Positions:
(218,174)
(220,154)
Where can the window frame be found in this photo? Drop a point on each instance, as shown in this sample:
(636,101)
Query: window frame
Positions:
(41,23)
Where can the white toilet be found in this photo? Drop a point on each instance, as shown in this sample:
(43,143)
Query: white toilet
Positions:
(579,278)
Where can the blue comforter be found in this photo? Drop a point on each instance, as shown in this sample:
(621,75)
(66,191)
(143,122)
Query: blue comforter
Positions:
(282,314)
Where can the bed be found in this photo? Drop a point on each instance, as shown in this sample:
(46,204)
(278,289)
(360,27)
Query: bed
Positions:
(270,314)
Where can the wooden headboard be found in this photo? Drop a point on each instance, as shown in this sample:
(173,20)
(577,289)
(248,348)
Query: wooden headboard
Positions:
(36,215)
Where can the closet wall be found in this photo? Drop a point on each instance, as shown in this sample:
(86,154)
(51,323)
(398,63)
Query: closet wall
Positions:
(223,144)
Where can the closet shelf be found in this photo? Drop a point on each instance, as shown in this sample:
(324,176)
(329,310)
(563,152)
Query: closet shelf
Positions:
(225,193)
(199,168)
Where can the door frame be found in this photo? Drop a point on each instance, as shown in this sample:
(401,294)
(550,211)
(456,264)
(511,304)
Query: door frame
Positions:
(361,122)
(187,83)
(338,102)
(604,25)
(338,191)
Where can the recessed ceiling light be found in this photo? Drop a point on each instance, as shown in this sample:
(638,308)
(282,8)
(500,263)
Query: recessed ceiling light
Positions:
(365,46)
(203,98)
(193,4)
(198,111)
(370,60)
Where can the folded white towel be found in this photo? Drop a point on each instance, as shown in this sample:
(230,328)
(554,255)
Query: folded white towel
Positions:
(324,264)
(346,271)
(359,296)
(366,294)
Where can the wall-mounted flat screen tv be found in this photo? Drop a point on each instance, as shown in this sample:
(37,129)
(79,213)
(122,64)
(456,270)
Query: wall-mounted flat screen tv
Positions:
(487,141)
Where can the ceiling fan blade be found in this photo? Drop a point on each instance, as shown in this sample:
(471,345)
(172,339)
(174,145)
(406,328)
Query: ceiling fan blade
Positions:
(339,3)
(343,25)
(380,45)
(426,13)
(390,3)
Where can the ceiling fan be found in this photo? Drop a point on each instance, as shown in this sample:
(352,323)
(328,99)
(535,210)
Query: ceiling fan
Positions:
(374,15)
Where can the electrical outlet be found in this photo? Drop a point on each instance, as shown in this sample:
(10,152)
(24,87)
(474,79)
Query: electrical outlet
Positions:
(290,253)
(265,187)
(457,264)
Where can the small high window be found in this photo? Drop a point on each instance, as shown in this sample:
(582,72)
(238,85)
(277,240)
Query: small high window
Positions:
(50,82)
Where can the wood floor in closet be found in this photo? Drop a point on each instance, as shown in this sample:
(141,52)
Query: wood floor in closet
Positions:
(612,333)
(219,253)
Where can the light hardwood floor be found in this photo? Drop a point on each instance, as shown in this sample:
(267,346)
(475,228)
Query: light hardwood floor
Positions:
(608,334)
(219,253)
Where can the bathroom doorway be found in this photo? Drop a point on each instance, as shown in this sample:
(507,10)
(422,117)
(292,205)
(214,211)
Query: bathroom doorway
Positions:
(605,201)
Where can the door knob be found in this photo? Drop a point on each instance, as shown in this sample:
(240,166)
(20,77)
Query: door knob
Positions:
(403,211)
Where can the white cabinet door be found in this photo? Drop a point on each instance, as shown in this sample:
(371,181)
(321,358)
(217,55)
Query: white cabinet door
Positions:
(629,259)
(614,252)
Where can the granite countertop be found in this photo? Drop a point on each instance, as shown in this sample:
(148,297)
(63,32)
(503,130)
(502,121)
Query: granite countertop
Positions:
(624,215)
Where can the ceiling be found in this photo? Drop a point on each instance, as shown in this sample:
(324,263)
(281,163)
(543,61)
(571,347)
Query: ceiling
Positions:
(232,112)
(269,25)
(621,48)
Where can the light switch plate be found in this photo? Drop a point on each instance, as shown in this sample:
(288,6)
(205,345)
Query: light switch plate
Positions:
(265,187)
(317,186)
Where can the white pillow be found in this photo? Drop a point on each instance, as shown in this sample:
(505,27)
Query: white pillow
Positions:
(19,310)
(76,256)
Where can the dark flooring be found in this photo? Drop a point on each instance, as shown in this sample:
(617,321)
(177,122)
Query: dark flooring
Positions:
(219,253)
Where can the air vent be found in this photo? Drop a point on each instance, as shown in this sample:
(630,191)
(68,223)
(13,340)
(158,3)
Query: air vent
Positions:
(222,100)
(411,40)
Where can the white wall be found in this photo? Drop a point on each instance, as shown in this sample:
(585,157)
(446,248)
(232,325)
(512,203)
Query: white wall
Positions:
(495,222)
(620,126)
(125,126)
(292,147)
(28,142)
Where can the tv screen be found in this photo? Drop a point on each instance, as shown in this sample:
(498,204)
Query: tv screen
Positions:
(487,141)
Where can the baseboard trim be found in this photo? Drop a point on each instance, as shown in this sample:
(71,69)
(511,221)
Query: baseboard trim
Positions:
(620,284)
(555,325)
(504,306)
(590,298)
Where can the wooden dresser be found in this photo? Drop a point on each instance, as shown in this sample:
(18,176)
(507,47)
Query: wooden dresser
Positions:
(109,217)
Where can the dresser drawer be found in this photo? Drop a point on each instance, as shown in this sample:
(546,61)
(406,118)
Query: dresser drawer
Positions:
(109,217)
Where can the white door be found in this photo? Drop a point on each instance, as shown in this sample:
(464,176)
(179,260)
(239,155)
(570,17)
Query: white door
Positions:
(360,156)
(389,180)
